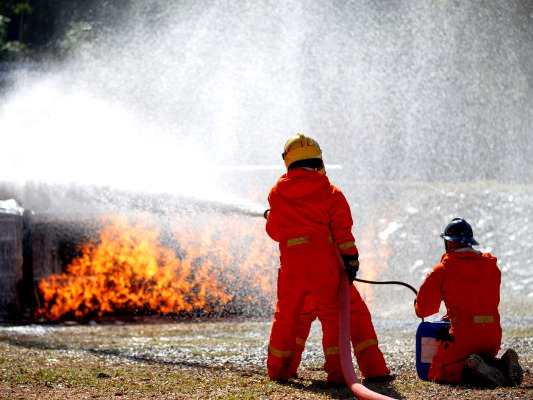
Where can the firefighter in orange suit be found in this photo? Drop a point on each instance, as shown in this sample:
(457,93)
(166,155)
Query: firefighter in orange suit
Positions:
(309,217)
(468,282)
(369,357)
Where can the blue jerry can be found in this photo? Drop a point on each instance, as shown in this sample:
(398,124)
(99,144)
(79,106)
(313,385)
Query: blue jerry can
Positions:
(427,345)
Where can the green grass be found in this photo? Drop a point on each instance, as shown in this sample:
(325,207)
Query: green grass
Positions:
(207,360)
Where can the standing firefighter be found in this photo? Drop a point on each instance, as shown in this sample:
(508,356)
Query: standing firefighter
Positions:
(468,282)
(311,220)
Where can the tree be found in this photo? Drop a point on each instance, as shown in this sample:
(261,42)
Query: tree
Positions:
(12,48)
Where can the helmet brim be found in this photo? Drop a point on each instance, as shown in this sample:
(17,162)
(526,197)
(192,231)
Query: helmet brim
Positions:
(460,239)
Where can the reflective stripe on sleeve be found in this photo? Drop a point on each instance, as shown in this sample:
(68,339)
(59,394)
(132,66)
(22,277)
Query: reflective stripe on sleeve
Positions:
(346,246)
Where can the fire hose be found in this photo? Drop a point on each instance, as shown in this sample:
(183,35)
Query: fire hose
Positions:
(388,283)
(352,381)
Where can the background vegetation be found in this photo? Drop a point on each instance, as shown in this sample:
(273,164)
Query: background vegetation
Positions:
(37,30)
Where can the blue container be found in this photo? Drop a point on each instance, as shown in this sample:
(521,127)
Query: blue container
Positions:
(427,345)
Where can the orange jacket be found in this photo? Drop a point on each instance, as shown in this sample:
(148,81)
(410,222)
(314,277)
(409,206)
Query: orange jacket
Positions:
(302,203)
(469,284)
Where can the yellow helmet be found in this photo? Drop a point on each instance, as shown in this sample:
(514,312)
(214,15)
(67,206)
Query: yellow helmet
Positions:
(301,147)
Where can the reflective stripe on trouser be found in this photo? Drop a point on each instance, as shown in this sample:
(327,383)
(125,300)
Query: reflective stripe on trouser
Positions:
(278,363)
(309,268)
(447,365)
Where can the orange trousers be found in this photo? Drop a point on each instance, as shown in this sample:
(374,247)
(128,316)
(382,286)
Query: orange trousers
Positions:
(364,340)
(306,270)
(469,338)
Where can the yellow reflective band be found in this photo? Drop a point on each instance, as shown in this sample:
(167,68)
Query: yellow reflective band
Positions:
(478,319)
(280,353)
(345,246)
(296,241)
(364,344)
(332,350)
(300,342)
(483,319)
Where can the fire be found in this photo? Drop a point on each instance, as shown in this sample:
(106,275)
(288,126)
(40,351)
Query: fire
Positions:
(209,265)
(127,269)
(375,252)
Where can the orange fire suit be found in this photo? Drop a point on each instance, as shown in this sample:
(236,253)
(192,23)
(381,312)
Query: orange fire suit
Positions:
(308,217)
(363,336)
(468,282)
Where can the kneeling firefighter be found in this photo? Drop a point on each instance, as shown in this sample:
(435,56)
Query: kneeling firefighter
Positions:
(468,281)
(311,220)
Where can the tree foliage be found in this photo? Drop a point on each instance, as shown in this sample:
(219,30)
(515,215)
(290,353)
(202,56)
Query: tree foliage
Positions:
(12,50)
(29,29)
(38,29)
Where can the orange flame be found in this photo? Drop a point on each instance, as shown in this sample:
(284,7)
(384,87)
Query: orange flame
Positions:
(375,253)
(127,269)
(214,263)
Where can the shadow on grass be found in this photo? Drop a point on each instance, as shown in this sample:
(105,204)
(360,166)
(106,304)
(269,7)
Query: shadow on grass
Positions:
(305,384)
(34,344)
(340,392)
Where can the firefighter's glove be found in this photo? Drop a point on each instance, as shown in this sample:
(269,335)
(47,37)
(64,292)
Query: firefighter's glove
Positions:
(265,214)
(351,263)
(444,334)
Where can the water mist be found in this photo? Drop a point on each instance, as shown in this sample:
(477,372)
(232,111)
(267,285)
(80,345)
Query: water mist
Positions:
(427,106)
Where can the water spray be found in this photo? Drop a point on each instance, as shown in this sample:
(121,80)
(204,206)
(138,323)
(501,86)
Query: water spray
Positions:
(236,208)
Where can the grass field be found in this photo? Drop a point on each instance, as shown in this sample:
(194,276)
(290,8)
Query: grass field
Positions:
(205,359)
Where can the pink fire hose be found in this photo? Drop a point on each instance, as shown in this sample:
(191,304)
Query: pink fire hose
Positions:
(353,382)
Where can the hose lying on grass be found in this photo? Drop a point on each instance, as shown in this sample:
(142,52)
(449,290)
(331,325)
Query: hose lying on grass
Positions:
(353,382)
